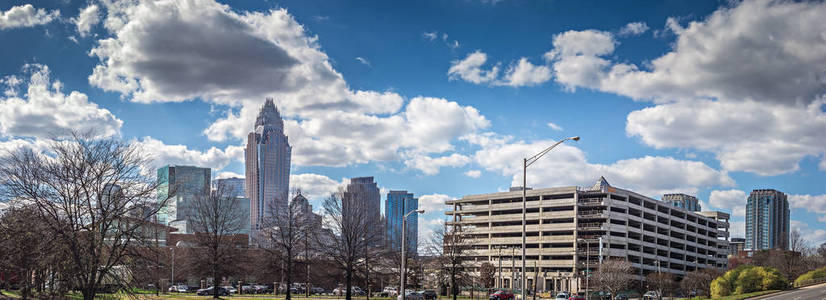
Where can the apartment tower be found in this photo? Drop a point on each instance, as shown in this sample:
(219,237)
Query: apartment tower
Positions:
(767,220)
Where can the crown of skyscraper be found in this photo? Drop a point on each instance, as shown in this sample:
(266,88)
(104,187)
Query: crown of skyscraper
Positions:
(269,115)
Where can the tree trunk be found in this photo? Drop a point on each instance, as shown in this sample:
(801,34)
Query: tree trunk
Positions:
(214,280)
(88,293)
(348,283)
(289,275)
(453,287)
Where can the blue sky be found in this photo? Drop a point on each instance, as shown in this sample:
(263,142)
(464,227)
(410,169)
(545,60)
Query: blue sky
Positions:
(443,98)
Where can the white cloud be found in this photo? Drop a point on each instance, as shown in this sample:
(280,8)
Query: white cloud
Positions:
(45,111)
(315,186)
(567,165)
(363,61)
(430,35)
(26,16)
(11,145)
(213,158)
(758,111)
(473,173)
(426,229)
(266,54)
(554,126)
(733,201)
(634,28)
(470,69)
(812,203)
(86,19)
(430,165)
(524,73)
(433,204)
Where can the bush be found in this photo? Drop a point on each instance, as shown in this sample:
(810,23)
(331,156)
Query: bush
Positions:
(747,279)
(811,275)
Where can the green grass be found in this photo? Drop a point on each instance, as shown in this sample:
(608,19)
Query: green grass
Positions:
(734,297)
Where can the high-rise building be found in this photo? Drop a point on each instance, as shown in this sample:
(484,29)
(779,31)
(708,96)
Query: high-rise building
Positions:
(235,185)
(235,189)
(767,220)
(736,246)
(364,192)
(305,211)
(396,205)
(184,185)
(684,201)
(267,159)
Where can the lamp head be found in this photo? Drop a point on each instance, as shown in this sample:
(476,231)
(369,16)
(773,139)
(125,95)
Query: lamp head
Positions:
(421,211)
(576,138)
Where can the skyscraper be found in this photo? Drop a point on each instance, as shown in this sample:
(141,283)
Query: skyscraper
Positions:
(235,188)
(185,184)
(767,220)
(267,159)
(364,192)
(396,205)
(683,201)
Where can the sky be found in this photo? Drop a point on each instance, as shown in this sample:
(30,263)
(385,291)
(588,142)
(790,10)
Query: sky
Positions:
(443,98)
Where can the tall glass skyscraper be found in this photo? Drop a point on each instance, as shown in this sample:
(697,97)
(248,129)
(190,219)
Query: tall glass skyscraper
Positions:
(186,183)
(363,191)
(396,205)
(236,188)
(767,220)
(267,159)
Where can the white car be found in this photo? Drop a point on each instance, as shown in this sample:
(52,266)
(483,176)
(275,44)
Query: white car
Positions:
(390,291)
(562,296)
(180,288)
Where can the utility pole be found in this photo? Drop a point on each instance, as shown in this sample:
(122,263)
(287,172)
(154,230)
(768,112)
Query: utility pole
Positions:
(500,266)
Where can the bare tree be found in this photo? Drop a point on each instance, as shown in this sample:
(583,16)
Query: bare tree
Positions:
(487,274)
(821,253)
(612,275)
(24,246)
(660,282)
(450,245)
(89,192)
(350,228)
(216,217)
(286,232)
(798,244)
(699,281)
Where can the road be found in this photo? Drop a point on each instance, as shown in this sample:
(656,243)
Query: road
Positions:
(817,292)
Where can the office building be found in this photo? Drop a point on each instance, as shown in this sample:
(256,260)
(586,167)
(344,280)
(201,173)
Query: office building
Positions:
(570,229)
(267,159)
(396,205)
(236,186)
(364,192)
(767,220)
(305,211)
(184,185)
(736,246)
(683,201)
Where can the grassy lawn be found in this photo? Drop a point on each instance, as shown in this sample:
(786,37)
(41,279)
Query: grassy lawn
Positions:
(192,296)
(734,297)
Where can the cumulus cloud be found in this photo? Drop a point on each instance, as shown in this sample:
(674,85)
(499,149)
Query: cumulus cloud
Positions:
(812,203)
(162,154)
(315,186)
(554,126)
(431,165)
(816,236)
(26,16)
(567,165)
(521,73)
(634,28)
(86,19)
(266,54)
(732,200)
(758,111)
(227,174)
(433,204)
(470,69)
(45,111)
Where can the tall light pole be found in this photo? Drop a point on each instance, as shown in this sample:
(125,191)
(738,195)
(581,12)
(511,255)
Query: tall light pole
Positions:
(587,266)
(402,269)
(525,163)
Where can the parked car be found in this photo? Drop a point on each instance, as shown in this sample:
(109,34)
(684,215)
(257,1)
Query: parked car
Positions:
(180,288)
(561,296)
(621,297)
(411,295)
(230,289)
(208,291)
(429,295)
(576,297)
(501,295)
(317,290)
(389,291)
(651,295)
(353,290)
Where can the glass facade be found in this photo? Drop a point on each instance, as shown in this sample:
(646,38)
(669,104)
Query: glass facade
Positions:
(767,220)
(267,162)
(396,205)
(184,184)
(687,202)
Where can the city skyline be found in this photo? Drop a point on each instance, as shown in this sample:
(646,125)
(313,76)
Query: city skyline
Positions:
(443,98)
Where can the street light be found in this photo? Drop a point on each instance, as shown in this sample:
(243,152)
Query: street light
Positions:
(587,267)
(402,269)
(525,163)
